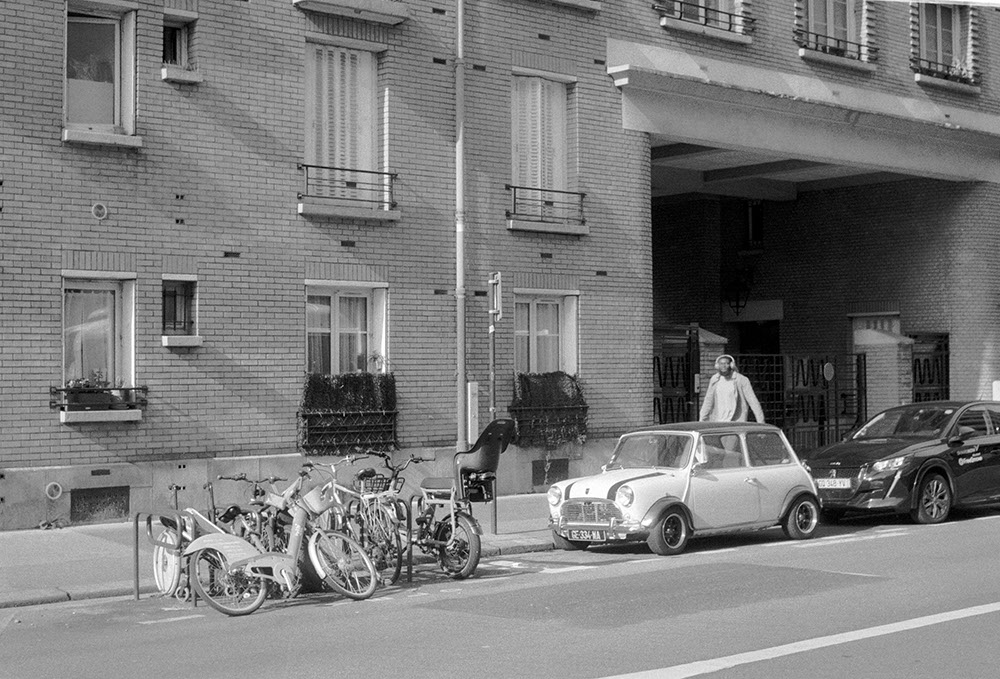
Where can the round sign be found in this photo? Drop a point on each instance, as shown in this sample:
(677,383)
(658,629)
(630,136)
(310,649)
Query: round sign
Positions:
(828,371)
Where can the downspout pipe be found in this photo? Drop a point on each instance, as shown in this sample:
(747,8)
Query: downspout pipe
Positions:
(460,372)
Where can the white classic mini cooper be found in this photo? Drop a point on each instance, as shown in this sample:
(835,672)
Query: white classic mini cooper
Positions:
(669,483)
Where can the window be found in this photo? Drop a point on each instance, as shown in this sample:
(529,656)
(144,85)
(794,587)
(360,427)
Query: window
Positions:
(100,70)
(539,150)
(832,19)
(945,44)
(708,12)
(767,449)
(178,307)
(973,423)
(175,44)
(345,330)
(97,330)
(545,333)
(341,122)
(720,452)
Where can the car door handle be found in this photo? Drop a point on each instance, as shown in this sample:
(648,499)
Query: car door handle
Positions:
(752,481)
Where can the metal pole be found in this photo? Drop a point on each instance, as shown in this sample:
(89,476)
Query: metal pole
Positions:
(460,377)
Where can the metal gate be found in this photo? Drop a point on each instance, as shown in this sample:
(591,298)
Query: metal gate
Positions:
(930,368)
(815,400)
(673,374)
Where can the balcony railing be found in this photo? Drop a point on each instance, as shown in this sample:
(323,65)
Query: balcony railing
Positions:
(953,72)
(837,47)
(546,206)
(93,398)
(343,191)
(696,13)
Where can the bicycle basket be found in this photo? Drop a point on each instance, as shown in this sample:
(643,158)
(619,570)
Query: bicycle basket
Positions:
(318,500)
(372,484)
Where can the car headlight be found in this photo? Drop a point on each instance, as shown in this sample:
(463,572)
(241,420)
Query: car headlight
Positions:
(555,495)
(892,464)
(624,496)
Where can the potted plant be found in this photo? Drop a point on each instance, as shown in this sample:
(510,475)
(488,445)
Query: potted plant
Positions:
(88,393)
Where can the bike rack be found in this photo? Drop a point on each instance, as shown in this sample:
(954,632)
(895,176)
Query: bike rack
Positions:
(175,551)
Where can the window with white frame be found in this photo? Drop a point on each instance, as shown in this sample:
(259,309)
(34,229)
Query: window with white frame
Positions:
(346,329)
(833,19)
(98,336)
(100,68)
(944,45)
(539,136)
(545,332)
(341,121)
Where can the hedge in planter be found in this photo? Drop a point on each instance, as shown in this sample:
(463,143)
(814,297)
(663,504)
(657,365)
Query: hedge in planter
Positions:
(549,409)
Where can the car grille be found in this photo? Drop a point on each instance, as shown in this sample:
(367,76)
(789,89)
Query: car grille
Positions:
(590,511)
(838,494)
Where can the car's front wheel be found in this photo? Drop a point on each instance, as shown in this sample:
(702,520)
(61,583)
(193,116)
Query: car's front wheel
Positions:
(670,534)
(568,545)
(802,518)
(933,500)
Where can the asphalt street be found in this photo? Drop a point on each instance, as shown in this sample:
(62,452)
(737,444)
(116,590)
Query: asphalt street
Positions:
(868,598)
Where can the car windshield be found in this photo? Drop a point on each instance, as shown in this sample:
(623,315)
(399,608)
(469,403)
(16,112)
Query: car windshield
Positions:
(652,450)
(918,420)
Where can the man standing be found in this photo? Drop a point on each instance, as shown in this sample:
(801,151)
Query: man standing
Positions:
(730,396)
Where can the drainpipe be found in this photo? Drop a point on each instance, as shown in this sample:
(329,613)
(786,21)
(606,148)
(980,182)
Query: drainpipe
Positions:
(460,376)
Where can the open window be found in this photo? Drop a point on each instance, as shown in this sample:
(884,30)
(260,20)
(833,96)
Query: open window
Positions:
(100,74)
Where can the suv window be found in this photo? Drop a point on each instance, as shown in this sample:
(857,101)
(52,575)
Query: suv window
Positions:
(721,451)
(766,448)
(973,423)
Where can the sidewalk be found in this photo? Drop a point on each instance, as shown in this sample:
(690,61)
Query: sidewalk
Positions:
(93,561)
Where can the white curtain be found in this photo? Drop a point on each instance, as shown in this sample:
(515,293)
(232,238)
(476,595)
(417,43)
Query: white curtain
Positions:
(89,333)
(539,133)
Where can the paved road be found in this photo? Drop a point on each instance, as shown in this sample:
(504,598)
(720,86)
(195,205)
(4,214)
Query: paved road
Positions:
(886,599)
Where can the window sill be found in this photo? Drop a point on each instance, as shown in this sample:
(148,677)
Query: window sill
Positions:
(568,228)
(321,207)
(81,416)
(944,84)
(89,137)
(708,31)
(181,340)
(834,60)
(380,11)
(587,5)
(178,74)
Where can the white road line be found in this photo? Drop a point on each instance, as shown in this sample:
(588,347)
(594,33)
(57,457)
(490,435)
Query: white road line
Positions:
(718,551)
(695,669)
(566,569)
(158,622)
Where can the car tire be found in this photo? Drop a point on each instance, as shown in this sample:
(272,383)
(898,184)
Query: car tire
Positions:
(670,534)
(567,545)
(933,499)
(802,518)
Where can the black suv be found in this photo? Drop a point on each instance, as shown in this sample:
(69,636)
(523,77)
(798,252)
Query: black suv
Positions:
(922,459)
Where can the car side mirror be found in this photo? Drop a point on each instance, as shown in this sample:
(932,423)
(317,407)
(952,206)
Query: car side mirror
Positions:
(696,468)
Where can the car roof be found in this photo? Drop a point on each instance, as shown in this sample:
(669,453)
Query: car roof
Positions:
(943,404)
(706,427)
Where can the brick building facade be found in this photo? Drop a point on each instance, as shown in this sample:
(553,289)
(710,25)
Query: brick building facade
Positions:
(188,155)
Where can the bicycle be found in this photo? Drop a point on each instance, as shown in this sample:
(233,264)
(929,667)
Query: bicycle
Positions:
(232,575)
(454,539)
(245,523)
(367,514)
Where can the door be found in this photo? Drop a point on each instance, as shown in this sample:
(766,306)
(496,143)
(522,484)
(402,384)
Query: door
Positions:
(772,470)
(976,463)
(722,492)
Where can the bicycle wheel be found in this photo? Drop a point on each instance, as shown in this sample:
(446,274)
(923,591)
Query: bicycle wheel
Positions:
(460,557)
(229,592)
(342,564)
(166,566)
(384,546)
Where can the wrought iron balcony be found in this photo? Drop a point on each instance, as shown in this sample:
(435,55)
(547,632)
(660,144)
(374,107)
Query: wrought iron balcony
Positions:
(95,398)
(535,209)
(347,192)
(696,13)
(827,44)
(954,72)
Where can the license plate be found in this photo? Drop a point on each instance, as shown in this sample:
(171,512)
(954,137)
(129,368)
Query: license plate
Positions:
(589,535)
(833,483)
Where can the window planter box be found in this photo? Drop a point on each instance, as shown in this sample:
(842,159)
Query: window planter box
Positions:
(339,433)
